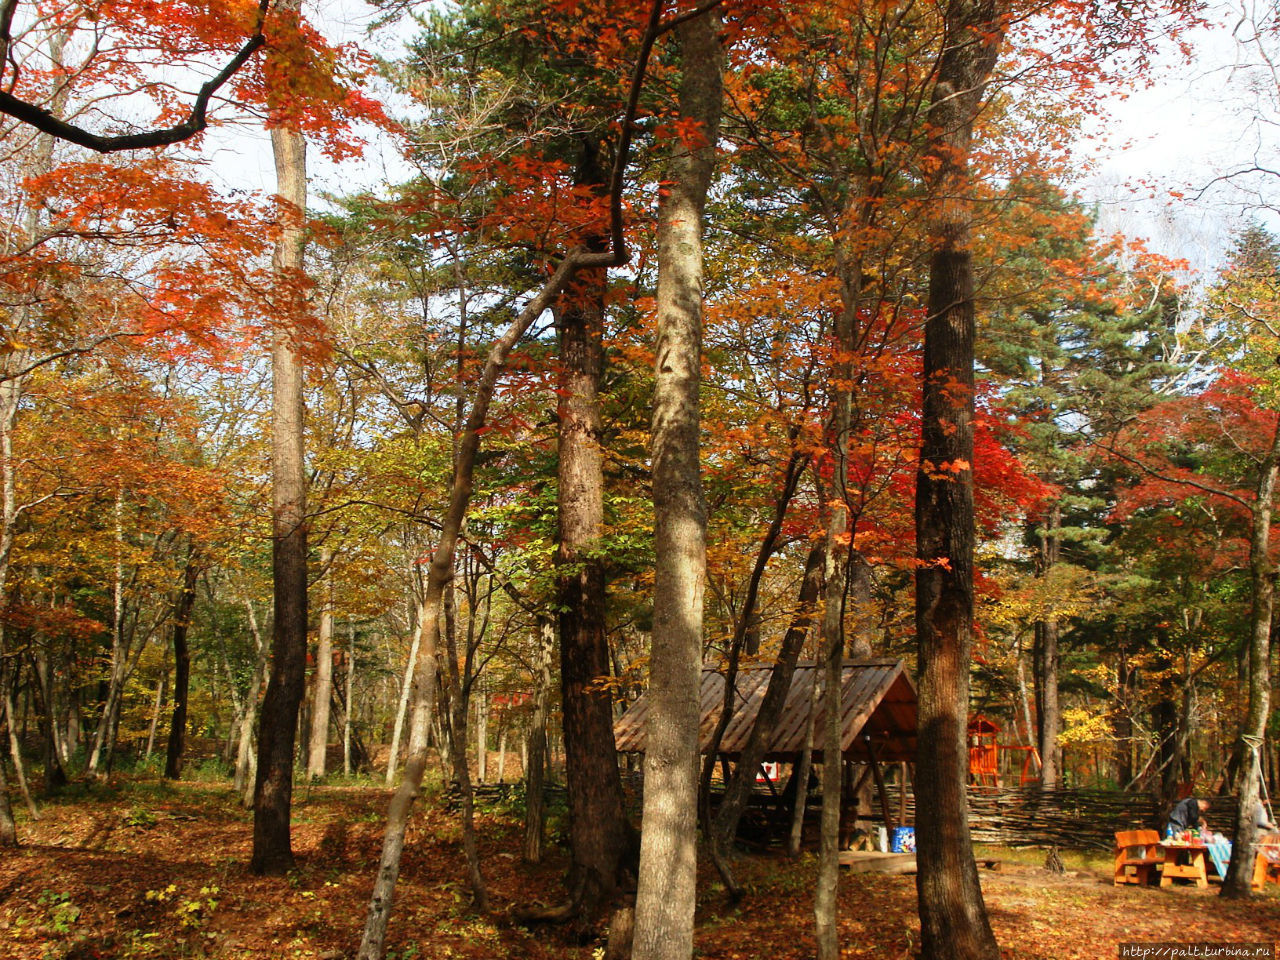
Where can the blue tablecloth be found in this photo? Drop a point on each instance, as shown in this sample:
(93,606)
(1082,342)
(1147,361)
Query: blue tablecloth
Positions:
(1220,855)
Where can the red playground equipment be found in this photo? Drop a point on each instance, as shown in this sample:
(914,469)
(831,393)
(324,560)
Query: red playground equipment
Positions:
(984,754)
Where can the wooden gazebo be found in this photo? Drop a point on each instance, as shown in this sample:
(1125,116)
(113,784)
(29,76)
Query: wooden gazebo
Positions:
(878,712)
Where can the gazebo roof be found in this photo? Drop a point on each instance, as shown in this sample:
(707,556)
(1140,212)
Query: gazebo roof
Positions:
(877,701)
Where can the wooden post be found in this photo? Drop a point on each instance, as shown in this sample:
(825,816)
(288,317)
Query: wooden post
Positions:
(889,823)
(902,792)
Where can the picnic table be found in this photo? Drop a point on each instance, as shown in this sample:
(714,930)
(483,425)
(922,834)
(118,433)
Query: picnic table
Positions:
(1184,860)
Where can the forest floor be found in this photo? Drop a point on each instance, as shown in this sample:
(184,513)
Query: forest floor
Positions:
(140,869)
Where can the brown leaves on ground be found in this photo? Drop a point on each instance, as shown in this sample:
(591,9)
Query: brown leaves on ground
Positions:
(151,871)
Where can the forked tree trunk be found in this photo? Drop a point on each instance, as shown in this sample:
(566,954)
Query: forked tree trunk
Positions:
(953,917)
(273,787)
(668,844)
(1237,884)
(182,670)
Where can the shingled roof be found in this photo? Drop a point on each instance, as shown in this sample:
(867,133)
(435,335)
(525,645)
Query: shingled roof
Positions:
(877,700)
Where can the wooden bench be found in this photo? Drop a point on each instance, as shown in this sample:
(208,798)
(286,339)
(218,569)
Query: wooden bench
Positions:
(1266,865)
(1137,856)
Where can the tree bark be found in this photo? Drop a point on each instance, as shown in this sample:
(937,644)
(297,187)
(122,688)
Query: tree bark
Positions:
(666,893)
(182,670)
(535,759)
(598,829)
(273,787)
(1236,884)
(323,681)
(1048,712)
(953,917)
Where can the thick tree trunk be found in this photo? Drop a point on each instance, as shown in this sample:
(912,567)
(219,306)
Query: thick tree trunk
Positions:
(323,681)
(182,670)
(273,788)
(668,844)
(1262,573)
(598,829)
(953,917)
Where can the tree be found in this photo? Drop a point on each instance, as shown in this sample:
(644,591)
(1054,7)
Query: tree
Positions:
(953,918)
(665,897)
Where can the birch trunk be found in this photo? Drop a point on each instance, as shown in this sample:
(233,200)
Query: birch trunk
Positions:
(666,893)
(406,692)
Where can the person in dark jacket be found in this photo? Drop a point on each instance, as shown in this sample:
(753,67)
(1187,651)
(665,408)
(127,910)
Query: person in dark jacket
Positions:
(1186,816)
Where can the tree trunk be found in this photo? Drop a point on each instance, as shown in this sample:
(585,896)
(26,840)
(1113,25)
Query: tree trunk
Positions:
(244,778)
(182,669)
(741,783)
(273,788)
(953,917)
(1262,573)
(598,828)
(406,690)
(8,828)
(15,753)
(535,762)
(1048,712)
(459,704)
(668,844)
(317,753)
(349,680)
(801,772)
(482,735)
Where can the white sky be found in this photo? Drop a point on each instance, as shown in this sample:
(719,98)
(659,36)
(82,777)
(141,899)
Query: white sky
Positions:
(1196,122)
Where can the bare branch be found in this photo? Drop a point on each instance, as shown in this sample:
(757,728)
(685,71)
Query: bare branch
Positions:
(195,121)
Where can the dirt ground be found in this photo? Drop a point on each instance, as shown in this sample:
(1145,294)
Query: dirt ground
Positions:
(138,869)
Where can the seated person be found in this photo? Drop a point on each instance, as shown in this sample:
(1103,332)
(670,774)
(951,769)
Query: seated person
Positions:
(1262,820)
